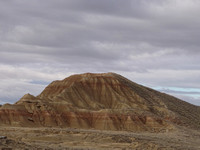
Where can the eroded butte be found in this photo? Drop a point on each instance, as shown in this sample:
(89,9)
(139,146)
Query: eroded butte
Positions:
(106,101)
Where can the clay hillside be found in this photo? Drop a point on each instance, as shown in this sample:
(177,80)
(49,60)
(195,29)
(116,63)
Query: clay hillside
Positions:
(100,101)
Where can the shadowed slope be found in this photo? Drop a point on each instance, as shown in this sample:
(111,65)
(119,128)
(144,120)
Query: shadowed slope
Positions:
(187,114)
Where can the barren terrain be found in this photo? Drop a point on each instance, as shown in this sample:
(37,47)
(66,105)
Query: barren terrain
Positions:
(99,111)
(82,139)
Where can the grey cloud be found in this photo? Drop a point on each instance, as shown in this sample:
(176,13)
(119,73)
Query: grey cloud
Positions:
(189,99)
(18,90)
(151,42)
(180,92)
(116,28)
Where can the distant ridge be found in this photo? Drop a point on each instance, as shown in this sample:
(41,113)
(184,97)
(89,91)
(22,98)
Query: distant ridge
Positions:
(106,101)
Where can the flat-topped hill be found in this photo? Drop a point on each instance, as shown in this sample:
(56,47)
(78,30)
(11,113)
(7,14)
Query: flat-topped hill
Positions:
(105,101)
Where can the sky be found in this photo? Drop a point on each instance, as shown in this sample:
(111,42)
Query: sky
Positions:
(152,42)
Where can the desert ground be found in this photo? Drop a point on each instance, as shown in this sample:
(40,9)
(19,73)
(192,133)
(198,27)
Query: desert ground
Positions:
(82,139)
(97,112)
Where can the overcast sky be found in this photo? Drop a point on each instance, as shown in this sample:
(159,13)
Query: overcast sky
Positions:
(151,42)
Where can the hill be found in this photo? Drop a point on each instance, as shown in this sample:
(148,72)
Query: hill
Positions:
(105,101)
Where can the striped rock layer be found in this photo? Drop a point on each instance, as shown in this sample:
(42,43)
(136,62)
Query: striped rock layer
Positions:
(105,101)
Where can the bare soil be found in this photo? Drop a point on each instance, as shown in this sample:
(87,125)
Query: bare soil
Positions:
(81,139)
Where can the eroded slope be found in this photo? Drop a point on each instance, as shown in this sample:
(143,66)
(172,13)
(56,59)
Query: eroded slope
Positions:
(101,101)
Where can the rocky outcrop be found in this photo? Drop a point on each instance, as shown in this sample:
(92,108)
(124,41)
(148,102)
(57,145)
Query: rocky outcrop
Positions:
(26,98)
(100,101)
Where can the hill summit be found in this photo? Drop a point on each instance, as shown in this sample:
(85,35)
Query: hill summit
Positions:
(106,101)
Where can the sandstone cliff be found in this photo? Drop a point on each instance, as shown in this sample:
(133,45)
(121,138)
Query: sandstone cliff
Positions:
(101,101)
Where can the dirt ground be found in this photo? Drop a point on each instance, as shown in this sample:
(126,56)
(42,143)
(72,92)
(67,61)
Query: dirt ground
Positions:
(81,139)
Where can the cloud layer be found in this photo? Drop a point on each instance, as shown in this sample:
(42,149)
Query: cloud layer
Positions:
(152,42)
